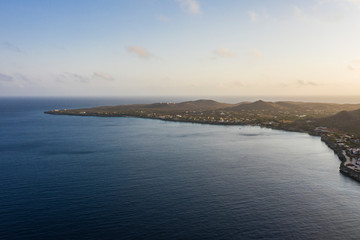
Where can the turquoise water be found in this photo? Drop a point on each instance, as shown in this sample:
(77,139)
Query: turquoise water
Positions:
(68,177)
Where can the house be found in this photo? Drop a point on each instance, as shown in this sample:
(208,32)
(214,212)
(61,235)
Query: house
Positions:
(358,161)
(321,130)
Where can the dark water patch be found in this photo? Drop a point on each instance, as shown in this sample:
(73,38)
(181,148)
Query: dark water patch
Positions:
(20,146)
(74,152)
(252,134)
(189,135)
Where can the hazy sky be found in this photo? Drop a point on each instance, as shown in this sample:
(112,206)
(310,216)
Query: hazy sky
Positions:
(179,47)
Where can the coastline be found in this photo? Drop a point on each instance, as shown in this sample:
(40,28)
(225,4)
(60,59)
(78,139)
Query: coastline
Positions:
(332,145)
(343,169)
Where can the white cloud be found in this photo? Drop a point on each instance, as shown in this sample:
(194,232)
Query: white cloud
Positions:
(299,83)
(239,84)
(339,6)
(102,76)
(225,52)
(354,2)
(348,2)
(191,6)
(16,79)
(306,83)
(83,78)
(80,78)
(67,76)
(354,65)
(256,53)
(300,14)
(257,16)
(319,13)
(254,17)
(24,79)
(162,18)
(139,51)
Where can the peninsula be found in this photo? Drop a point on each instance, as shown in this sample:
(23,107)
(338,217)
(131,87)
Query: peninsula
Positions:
(338,125)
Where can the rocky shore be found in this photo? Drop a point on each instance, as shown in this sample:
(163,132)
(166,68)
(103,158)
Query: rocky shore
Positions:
(354,174)
(349,172)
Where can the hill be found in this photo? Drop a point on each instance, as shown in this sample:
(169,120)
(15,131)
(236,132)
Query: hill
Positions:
(256,106)
(198,105)
(295,107)
(271,108)
(167,107)
(347,121)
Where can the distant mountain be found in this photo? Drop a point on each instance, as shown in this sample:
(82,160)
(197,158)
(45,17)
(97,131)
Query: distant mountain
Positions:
(348,121)
(316,110)
(167,107)
(293,106)
(258,105)
(345,117)
(295,116)
(198,105)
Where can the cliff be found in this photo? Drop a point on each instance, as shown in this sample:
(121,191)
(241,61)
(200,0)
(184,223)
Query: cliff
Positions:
(349,172)
(354,174)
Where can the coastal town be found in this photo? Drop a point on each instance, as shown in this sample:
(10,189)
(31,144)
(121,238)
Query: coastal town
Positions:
(346,146)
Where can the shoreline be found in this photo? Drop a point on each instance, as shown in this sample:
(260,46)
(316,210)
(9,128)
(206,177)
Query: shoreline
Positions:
(338,151)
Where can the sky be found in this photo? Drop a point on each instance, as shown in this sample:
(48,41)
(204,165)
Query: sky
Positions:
(179,47)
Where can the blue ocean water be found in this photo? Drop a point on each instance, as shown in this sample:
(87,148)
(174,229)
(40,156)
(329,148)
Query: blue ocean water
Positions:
(68,177)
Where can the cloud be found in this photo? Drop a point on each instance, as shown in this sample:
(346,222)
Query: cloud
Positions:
(72,77)
(191,6)
(306,83)
(139,51)
(257,16)
(254,17)
(300,14)
(102,76)
(16,79)
(225,52)
(22,78)
(341,2)
(6,78)
(80,78)
(353,2)
(162,18)
(354,65)
(96,76)
(239,84)
(299,83)
(320,13)
(256,53)
(11,47)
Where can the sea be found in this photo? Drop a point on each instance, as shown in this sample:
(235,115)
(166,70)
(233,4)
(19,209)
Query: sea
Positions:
(71,177)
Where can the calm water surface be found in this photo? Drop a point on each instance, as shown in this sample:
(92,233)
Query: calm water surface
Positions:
(68,177)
